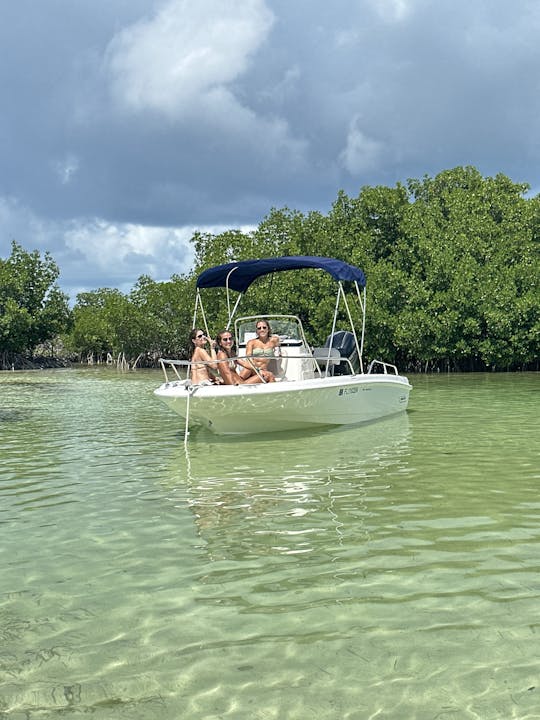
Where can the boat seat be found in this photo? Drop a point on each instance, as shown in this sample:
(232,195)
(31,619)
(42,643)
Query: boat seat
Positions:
(324,356)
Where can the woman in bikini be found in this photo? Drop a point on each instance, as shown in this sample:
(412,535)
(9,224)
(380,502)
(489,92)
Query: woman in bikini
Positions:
(200,373)
(227,367)
(261,349)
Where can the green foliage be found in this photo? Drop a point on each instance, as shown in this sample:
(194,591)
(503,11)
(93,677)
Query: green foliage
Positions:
(101,320)
(451,263)
(468,250)
(150,321)
(33,310)
(167,309)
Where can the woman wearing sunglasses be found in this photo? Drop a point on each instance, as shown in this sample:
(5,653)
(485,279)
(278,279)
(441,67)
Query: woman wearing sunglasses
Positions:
(260,350)
(227,367)
(201,374)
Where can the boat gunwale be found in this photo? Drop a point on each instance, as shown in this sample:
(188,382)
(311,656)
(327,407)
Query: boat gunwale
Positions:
(286,386)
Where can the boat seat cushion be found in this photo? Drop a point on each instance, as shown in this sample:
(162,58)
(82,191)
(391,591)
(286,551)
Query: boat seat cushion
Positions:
(322,355)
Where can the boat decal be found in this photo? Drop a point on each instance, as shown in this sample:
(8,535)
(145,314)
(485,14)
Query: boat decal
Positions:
(348,391)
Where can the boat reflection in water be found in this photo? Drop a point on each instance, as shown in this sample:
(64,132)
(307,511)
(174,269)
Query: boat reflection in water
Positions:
(285,495)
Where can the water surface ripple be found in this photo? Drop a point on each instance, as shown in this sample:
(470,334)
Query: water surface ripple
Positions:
(386,571)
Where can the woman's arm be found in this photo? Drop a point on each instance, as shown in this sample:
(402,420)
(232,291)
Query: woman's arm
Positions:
(230,377)
(246,365)
(249,351)
(206,357)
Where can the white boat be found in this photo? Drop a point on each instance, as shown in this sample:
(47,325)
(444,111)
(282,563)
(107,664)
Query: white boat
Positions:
(314,387)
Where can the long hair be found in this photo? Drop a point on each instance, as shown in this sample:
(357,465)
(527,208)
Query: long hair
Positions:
(191,345)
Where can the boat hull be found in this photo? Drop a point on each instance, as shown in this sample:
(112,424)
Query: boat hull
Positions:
(276,407)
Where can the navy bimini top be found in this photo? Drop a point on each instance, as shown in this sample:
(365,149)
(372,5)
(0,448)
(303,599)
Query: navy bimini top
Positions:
(240,275)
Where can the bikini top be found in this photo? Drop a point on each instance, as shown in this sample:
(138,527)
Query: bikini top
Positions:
(263,352)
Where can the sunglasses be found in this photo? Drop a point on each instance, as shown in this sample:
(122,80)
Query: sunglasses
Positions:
(199,336)
(229,339)
(262,327)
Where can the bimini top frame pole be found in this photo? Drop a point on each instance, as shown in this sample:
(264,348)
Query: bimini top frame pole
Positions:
(359,347)
(228,295)
(236,304)
(199,304)
(342,296)
(362,301)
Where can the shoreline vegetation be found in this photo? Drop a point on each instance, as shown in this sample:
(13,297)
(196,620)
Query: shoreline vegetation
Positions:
(48,362)
(18,362)
(453,279)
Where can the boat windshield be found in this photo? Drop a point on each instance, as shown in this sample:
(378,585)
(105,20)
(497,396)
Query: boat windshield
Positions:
(288,327)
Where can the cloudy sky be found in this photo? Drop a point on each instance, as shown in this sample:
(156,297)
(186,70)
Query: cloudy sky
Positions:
(126,125)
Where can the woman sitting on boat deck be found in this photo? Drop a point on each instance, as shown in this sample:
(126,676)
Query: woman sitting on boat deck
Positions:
(260,350)
(202,374)
(227,366)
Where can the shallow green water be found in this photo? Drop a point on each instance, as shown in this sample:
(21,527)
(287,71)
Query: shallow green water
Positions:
(389,571)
